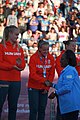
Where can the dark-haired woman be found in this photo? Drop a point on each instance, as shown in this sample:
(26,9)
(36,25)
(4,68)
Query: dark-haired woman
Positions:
(68,87)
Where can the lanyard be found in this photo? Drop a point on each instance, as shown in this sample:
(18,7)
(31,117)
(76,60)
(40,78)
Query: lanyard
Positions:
(44,66)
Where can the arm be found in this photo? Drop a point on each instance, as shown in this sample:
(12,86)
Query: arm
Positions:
(20,62)
(4,65)
(57,64)
(33,72)
(52,70)
(7,65)
(7,20)
(66,82)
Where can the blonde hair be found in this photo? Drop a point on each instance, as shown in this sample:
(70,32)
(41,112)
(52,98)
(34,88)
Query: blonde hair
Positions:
(6,32)
(5,35)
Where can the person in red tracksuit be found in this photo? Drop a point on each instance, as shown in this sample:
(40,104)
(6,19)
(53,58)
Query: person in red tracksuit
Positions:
(42,69)
(12,62)
(69,45)
(78,64)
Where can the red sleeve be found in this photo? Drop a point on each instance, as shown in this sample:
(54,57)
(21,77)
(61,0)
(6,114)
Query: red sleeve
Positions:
(78,65)
(52,70)
(32,69)
(3,64)
(57,65)
(22,66)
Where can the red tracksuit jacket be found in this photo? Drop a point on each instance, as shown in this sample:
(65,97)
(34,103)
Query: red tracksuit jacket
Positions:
(58,66)
(36,78)
(78,67)
(8,56)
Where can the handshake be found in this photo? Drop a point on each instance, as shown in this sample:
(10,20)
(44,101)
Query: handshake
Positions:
(48,83)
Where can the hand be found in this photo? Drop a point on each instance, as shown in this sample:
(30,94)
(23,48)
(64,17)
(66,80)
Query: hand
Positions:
(52,95)
(17,68)
(44,91)
(18,61)
(48,83)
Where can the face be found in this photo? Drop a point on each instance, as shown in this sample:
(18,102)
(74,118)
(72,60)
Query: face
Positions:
(71,46)
(14,36)
(63,61)
(44,50)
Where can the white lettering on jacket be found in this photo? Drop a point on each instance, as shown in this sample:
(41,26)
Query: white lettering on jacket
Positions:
(12,53)
(41,66)
(69,76)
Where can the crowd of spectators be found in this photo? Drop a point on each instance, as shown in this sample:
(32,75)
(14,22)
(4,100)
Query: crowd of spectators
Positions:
(54,21)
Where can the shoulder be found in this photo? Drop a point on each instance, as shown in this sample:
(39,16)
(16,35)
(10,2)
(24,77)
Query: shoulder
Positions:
(59,57)
(50,56)
(1,44)
(34,56)
(70,70)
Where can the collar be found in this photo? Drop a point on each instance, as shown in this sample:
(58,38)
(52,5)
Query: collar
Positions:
(65,68)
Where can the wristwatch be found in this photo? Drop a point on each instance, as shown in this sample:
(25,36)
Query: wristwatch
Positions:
(55,93)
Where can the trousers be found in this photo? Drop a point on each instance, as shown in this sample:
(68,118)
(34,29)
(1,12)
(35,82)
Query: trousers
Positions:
(37,104)
(11,90)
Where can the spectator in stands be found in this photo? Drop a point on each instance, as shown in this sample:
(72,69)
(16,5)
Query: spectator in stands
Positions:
(60,19)
(33,24)
(31,6)
(2,16)
(22,22)
(7,10)
(41,68)
(12,19)
(37,35)
(51,16)
(62,36)
(55,51)
(27,36)
(52,35)
(40,18)
(41,8)
(68,87)
(55,25)
(28,13)
(45,25)
(22,2)
(31,50)
(11,63)
(1,30)
(76,31)
(71,23)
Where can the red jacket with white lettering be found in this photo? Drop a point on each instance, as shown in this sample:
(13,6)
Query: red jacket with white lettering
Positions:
(58,66)
(8,56)
(36,64)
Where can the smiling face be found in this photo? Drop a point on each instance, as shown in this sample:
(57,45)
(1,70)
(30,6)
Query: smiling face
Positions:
(43,50)
(13,35)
